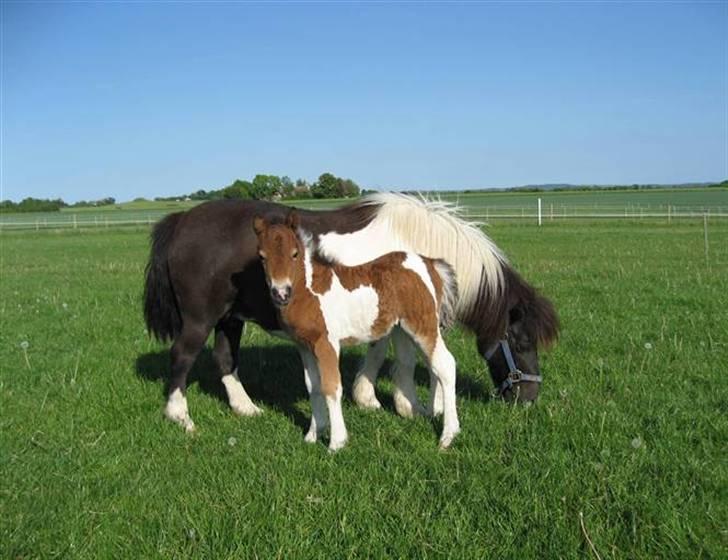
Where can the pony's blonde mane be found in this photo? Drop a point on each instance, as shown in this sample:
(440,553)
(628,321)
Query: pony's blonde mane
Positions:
(436,228)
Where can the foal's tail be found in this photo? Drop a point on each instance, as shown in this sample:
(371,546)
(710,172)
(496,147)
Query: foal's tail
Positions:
(160,304)
(449,296)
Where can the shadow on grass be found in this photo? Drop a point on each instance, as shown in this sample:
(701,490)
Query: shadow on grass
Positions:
(273,375)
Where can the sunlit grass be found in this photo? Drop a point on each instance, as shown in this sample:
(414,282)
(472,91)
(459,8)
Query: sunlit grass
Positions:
(629,431)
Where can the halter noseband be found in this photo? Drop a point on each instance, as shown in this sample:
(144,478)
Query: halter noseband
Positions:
(515,375)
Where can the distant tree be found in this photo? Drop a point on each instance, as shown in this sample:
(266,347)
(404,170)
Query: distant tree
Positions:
(31,204)
(265,187)
(302,189)
(287,187)
(239,189)
(327,186)
(348,188)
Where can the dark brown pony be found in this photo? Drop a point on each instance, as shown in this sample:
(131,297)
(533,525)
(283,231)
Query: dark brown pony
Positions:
(204,274)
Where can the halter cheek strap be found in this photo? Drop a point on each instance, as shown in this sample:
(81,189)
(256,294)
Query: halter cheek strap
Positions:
(515,375)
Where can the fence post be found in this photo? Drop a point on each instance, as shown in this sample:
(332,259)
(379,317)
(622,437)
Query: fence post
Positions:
(539,211)
(705,236)
(669,213)
(75,224)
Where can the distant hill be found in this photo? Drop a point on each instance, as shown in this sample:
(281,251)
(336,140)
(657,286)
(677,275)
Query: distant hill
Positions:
(569,186)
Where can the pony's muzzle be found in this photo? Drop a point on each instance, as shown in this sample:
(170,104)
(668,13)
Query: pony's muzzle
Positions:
(280,295)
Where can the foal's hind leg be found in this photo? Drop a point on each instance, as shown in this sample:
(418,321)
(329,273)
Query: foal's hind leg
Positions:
(442,365)
(403,375)
(227,345)
(363,389)
(183,353)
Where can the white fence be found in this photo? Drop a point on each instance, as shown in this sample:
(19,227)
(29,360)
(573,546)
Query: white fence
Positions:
(479,213)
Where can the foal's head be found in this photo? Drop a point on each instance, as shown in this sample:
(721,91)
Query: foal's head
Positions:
(280,250)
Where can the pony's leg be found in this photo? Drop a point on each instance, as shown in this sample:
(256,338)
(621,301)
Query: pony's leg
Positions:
(436,406)
(227,345)
(442,365)
(363,389)
(183,354)
(403,375)
(319,414)
(327,356)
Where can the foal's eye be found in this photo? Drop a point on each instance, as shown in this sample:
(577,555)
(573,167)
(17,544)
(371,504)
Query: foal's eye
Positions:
(294,254)
(262,256)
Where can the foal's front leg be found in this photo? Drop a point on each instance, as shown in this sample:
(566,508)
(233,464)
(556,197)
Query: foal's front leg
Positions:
(319,414)
(327,356)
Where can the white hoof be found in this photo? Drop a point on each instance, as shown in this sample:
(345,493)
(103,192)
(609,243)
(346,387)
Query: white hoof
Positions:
(177,411)
(181,418)
(335,446)
(245,409)
(407,408)
(364,396)
(310,437)
(447,439)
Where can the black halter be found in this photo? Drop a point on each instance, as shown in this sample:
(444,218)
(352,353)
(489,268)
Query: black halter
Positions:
(515,375)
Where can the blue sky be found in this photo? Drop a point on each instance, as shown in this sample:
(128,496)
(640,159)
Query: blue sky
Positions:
(158,99)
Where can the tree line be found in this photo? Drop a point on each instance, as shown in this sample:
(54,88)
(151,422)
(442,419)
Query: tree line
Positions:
(273,187)
(31,204)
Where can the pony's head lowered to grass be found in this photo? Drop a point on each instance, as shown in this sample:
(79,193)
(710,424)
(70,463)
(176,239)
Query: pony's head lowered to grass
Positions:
(280,251)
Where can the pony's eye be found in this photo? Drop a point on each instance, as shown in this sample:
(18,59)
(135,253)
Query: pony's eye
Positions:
(294,254)
(262,256)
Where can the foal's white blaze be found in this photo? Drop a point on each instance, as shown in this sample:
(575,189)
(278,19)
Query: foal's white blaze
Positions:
(237,397)
(176,410)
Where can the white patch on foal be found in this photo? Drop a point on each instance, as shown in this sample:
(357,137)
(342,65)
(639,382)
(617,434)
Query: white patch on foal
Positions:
(347,313)
(177,411)
(415,263)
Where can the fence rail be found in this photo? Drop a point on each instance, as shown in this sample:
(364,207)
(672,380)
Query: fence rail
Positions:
(478,214)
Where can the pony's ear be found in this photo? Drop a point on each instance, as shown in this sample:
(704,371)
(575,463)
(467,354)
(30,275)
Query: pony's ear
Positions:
(259,225)
(292,220)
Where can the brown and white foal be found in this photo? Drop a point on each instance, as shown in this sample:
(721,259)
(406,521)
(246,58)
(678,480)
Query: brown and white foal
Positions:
(323,305)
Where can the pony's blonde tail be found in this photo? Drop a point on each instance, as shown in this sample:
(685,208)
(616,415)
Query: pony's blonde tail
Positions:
(449,296)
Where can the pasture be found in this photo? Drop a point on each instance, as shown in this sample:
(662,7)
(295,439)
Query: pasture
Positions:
(622,456)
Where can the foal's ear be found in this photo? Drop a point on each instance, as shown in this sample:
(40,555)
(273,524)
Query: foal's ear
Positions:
(259,225)
(292,220)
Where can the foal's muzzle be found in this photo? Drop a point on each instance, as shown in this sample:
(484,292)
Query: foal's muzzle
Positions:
(280,295)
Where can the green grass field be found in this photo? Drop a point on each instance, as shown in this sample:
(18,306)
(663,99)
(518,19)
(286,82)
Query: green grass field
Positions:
(625,448)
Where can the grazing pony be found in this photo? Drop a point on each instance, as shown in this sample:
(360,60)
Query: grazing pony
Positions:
(204,274)
(323,305)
